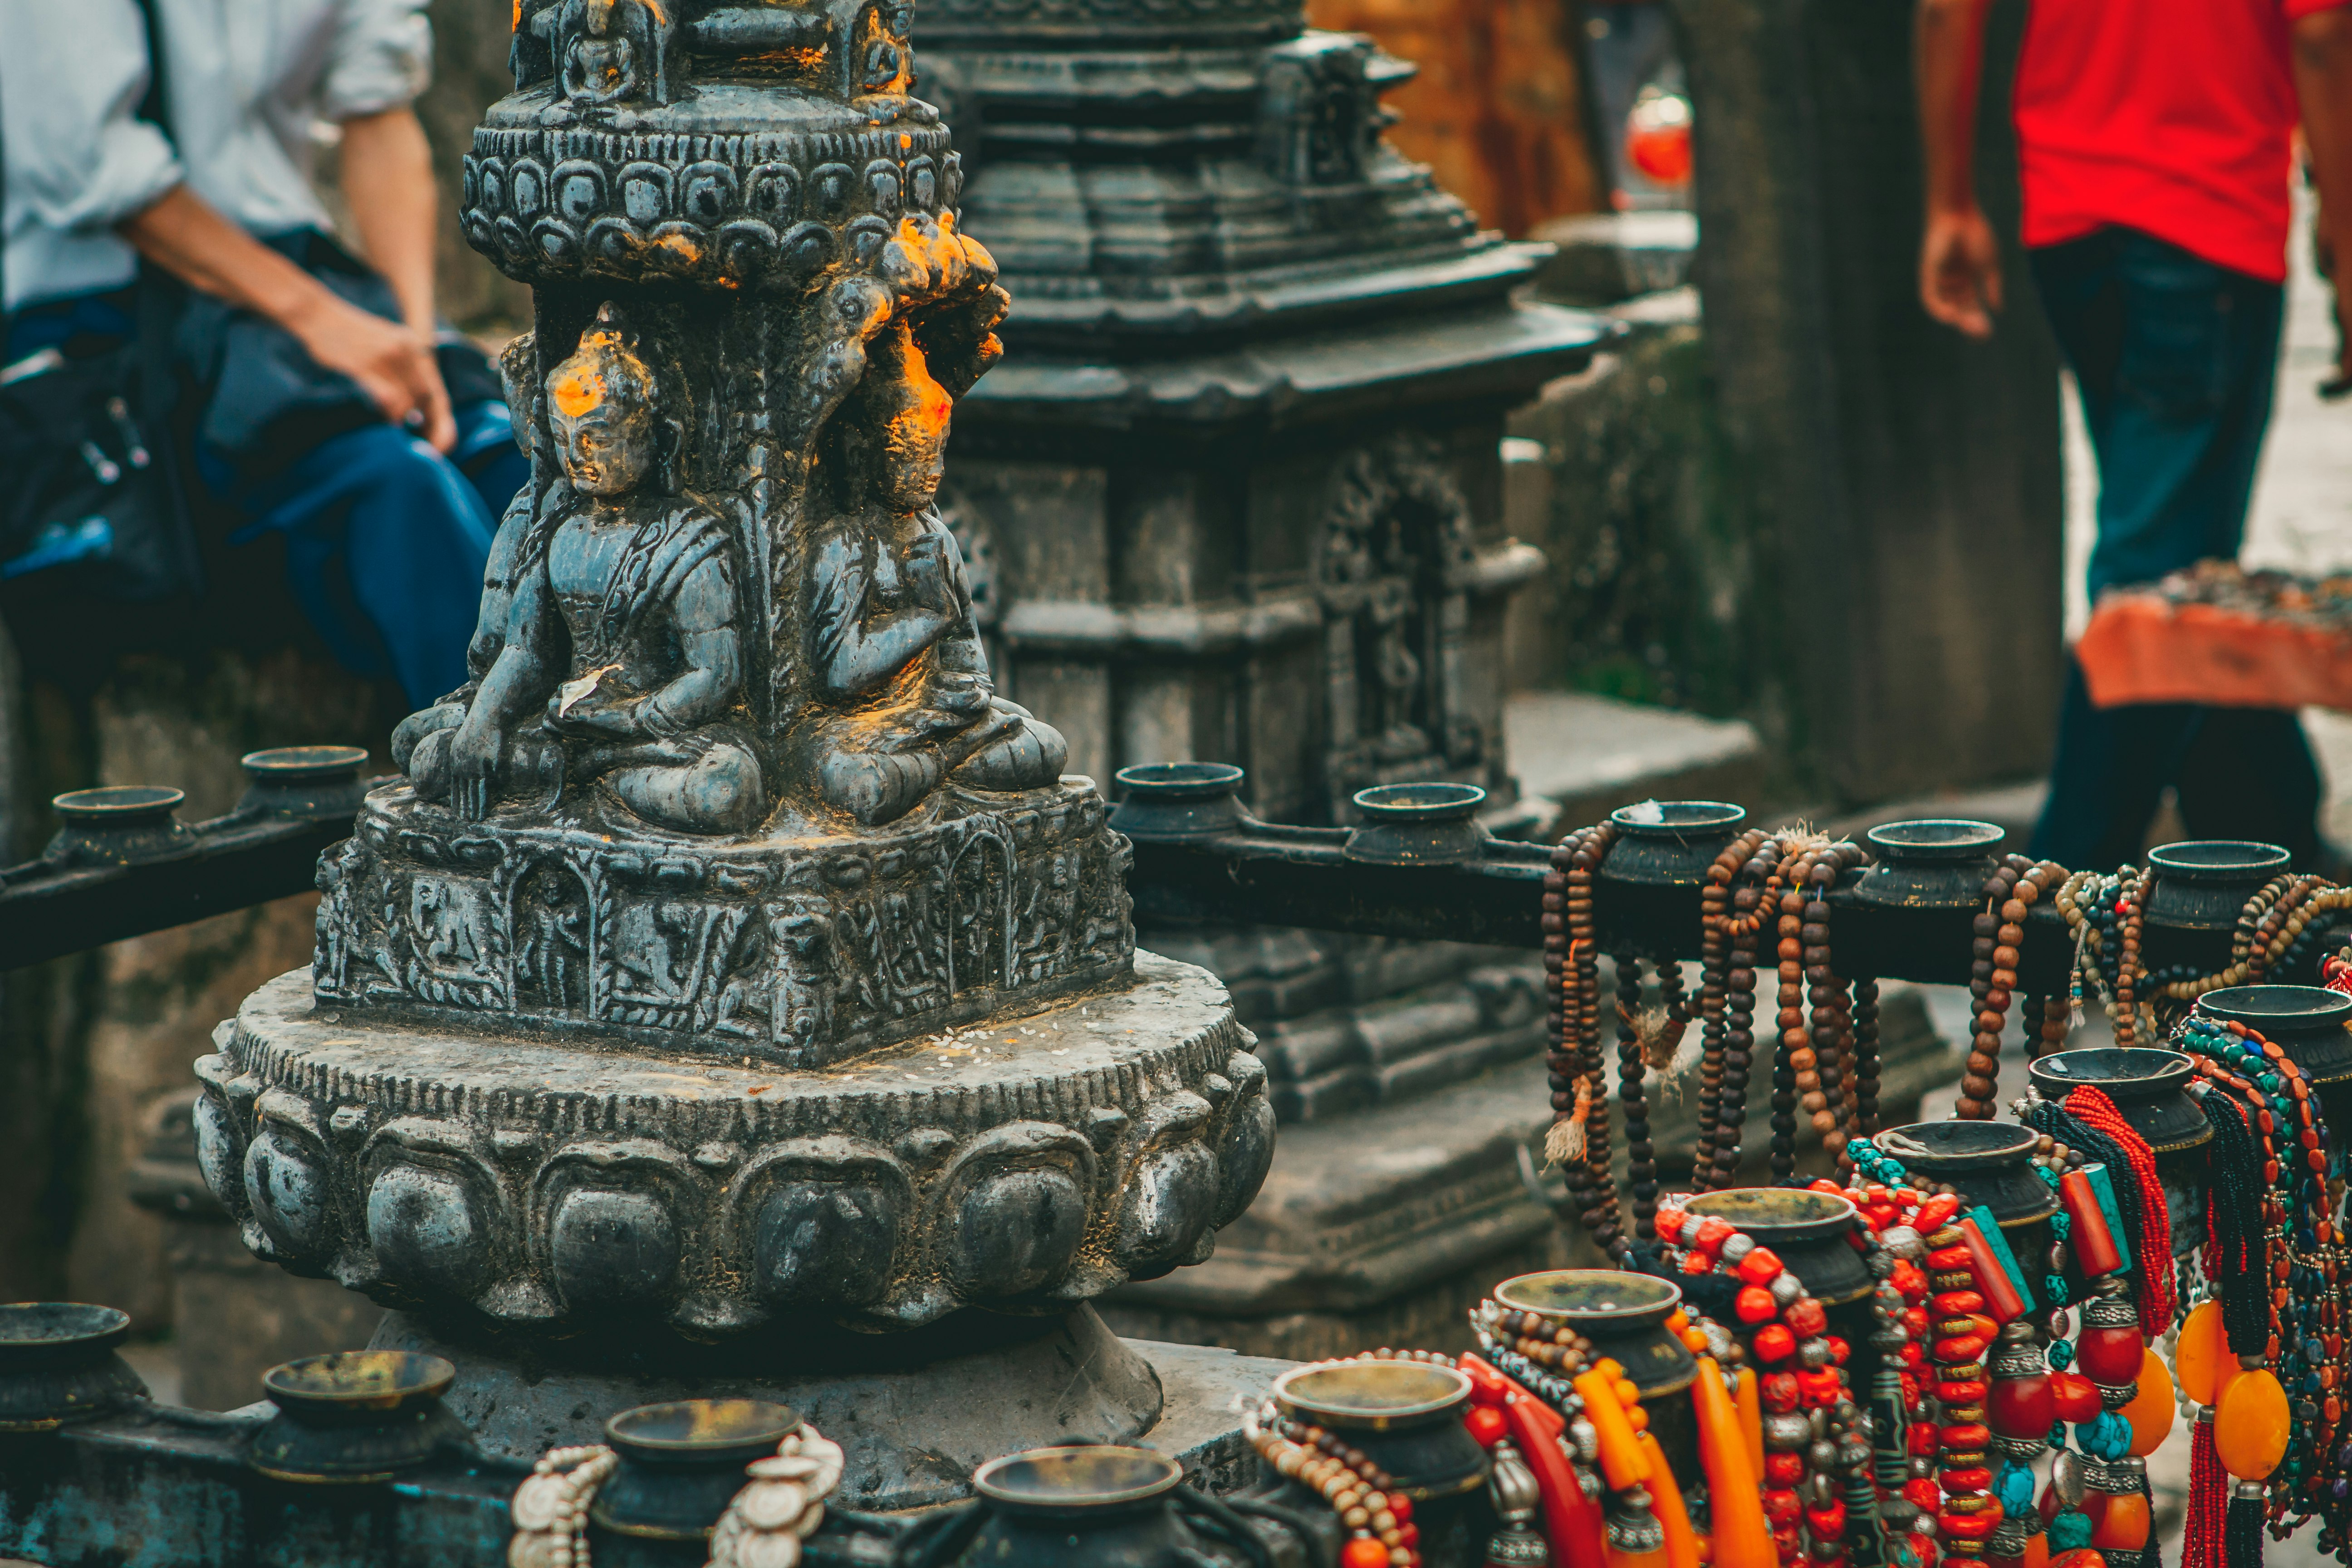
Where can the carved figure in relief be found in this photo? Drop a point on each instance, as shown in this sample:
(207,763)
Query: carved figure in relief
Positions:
(903,698)
(623,658)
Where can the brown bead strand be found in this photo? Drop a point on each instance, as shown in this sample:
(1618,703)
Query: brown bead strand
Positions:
(1715,913)
(1741,942)
(1794,1070)
(1590,1181)
(2009,893)
(2056,1023)
(1864,1120)
(1833,1022)
(1641,1154)
(2130,924)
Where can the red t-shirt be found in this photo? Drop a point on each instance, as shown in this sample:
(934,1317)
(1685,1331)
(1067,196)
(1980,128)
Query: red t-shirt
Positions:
(2167,116)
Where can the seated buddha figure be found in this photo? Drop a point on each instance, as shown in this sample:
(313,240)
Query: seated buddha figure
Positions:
(901,695)
(621,662)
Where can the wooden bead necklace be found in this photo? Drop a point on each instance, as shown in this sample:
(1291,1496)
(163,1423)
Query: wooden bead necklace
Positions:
(1578,1140)
(1716,1007)
(1363,1494)
(2010,892)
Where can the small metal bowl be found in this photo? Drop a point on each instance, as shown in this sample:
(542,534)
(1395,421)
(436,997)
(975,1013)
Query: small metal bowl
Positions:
(309,782)
(1806,1229)
(119,825)
(682,1462)
(1177,800)
(354,1416)
(58,1363)
(1418,824)
(1406,1416)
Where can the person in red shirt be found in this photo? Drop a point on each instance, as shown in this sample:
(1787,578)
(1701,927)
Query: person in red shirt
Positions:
(2153,150)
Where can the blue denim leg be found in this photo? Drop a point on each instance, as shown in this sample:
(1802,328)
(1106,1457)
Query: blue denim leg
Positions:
(2176,359)
(385,542)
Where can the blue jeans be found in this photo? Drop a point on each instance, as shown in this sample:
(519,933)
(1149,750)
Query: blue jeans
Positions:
(386,538)
(2176,359)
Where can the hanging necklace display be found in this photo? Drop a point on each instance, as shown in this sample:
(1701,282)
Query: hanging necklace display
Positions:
(1999,935)
(2276,1254)
(2107,915)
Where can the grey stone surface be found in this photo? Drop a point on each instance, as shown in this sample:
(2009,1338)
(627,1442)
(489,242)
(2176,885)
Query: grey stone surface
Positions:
(549,1188)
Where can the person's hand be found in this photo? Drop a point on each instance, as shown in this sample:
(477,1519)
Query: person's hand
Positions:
(1960,271)
(475,753)
(393,363)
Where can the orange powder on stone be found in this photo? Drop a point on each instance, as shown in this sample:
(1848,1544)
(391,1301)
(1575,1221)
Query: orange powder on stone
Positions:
(576,393)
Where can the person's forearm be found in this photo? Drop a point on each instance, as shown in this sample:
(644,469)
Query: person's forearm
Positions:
(2323,81)
(388,178)
(182,233)
(1950,61)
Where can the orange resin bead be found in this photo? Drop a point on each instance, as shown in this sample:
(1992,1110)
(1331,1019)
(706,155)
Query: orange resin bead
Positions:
(2198,1359)
(2123,1526)
(2251,1426)
(2150,1411)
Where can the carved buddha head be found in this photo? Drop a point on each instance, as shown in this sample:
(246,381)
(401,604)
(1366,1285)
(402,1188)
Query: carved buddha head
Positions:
(603,408)
(895,425)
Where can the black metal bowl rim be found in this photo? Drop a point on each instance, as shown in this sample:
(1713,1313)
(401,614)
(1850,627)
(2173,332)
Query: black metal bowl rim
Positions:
(1966,840)
(1435,802)
(1658,818)
(389,1380)
(1361,1418)
(320,1478)
(2260,859)
(1909,1150)
(774,1422)
(1601,1316)
(111,805)
(2338,1010)
(2176,1068)
(1180,781)
(987,1479)
(99,1328)
(1842,1217)
(292,763)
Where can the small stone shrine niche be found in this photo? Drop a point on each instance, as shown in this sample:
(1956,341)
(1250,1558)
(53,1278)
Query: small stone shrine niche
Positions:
(730,772)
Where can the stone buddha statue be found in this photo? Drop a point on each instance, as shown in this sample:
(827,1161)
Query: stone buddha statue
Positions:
(622,661)
(901,698)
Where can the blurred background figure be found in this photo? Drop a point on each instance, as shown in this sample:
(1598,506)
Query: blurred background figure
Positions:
(2153,143)
(159,156)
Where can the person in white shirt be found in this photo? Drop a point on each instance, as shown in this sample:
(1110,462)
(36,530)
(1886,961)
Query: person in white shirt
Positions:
(219,197)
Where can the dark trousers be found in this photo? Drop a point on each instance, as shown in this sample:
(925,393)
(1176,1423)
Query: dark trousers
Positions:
(2175,358)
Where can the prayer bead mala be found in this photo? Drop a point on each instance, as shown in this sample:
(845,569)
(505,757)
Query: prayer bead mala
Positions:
(1999,938)
(2279,925)
(1717,1011)
(1755,882)
(1579,1138)
(1363,1494)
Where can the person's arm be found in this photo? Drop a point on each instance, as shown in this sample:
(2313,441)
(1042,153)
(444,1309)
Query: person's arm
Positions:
(387,179)
(393,365)
(1959,260)
(2323,81)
